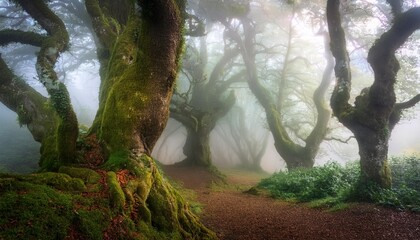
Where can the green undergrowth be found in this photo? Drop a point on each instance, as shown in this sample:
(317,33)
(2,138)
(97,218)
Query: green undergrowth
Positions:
(334,186)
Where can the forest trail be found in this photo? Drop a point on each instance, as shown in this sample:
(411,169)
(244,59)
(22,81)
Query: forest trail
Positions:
(234,215)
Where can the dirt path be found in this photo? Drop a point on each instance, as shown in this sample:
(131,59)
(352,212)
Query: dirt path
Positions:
(235,215)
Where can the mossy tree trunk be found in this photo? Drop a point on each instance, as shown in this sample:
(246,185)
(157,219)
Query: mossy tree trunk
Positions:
(57,134)
(294,154)
(56,42)
(139,75)
(139,47)
(375,112)
(208,101)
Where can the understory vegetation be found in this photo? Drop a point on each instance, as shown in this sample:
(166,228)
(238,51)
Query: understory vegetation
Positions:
(333,185)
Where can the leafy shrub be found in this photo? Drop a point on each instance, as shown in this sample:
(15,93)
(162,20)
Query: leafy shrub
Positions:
(337,184)
(310,184)
(406,172)
(405,193)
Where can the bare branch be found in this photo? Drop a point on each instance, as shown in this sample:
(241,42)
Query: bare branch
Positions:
(8,36)
(341,93)
(408,104)
(338,139)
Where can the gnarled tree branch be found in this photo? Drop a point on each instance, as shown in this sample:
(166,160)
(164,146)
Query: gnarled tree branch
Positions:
(9,36)
(341,94)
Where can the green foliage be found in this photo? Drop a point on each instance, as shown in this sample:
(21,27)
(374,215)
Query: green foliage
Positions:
(406,172)
(332,185)
(400,198)
(309,184)
(405,193)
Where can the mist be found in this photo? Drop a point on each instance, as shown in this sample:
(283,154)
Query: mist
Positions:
(281,30)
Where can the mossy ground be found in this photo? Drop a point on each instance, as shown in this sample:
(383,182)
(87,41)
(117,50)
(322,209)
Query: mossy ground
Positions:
(94,205)
(51,206)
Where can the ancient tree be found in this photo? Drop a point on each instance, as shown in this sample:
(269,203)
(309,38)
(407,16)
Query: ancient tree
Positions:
(375,111)
(139,44)
(204,100)
(205,96)
(296,154)
(57,132)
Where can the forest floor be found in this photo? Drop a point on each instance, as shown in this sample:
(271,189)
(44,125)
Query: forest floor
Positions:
(233,214)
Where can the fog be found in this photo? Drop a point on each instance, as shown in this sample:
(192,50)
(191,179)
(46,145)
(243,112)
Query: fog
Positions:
(405,140)
(277,24)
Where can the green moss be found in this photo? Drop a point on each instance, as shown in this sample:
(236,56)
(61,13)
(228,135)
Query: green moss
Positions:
(57,180)
(162,209)
(34,212)
(32,209)
(385,175)
(116,194)
(6,183)
(122,214)
(117,160)
(23,117)
(151,233)
(91,223)
(49,154)
(89,176)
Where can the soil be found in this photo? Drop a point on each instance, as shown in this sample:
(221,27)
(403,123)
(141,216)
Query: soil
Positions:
(233,214)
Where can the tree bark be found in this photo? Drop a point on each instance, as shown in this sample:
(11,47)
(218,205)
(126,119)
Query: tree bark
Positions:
(197,147)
